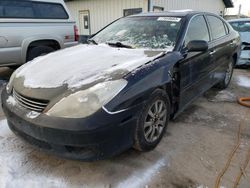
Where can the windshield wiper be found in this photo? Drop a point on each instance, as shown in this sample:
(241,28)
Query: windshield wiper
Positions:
(92,41)
(119,45)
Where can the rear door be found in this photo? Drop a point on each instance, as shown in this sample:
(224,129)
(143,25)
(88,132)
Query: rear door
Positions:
(221,47)
(195,67)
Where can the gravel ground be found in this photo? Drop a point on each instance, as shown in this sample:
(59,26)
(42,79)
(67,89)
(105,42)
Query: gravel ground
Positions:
(191,154)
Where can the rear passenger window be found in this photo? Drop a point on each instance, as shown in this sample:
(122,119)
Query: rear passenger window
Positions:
(197,30)
(217,27)
(18,10)
(32,10)
(48,10)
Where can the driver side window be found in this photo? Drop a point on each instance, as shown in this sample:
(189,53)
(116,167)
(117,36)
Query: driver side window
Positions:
(197,30)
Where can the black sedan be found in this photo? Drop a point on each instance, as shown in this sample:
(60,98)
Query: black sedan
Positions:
(119,91)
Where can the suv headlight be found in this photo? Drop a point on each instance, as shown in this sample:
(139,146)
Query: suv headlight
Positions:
(86,102)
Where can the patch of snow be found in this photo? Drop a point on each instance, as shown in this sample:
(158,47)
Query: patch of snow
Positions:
(202,186)
(85,99)
(243,81)
(11,101)
(32,115)
(17,163)
(81,65)
(137,179)
(4,129)
(224,96)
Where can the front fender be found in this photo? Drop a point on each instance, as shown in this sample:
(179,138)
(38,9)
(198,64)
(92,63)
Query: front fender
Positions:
(144,80)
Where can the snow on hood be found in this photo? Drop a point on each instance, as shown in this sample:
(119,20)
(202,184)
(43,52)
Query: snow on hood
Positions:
(81,65)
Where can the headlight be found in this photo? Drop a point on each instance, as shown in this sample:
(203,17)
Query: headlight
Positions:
(84,103)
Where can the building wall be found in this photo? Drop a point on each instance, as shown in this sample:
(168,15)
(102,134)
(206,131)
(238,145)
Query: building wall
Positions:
(215,6)
(102,12)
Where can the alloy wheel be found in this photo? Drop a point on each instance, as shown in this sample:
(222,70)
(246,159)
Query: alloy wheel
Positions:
(155,121)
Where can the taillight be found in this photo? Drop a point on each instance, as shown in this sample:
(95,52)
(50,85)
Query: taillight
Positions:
(76,34)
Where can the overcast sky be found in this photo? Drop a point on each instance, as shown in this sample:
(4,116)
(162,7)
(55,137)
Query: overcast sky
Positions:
(244,10)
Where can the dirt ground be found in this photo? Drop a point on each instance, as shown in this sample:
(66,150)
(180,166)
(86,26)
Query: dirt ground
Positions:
(192,153)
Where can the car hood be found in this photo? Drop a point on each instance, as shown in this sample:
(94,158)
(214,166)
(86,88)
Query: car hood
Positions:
(245,37)
(79,67)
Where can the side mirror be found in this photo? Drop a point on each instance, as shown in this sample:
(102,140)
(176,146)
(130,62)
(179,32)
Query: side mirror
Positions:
(197,46)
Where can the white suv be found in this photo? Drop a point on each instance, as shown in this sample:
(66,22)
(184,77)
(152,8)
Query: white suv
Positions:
(30,28)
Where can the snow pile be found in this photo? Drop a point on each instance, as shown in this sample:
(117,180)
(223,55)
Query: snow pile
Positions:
(11,101)
(22,166)
(81,65)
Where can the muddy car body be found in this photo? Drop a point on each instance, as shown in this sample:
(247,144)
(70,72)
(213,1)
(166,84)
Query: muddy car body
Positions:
(100,99)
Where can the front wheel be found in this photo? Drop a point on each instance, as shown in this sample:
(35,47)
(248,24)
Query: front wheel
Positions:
(227,76)
(153,121)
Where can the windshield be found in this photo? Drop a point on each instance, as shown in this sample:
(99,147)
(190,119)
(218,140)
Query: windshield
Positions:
(142,32)
(241,26)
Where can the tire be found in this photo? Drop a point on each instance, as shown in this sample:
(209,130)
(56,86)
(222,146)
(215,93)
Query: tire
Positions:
(151,126)
(223,84)
(38,51)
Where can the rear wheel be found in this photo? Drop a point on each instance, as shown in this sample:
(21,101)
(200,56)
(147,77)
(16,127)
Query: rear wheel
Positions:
(38,51)
(227,76)
(153,121)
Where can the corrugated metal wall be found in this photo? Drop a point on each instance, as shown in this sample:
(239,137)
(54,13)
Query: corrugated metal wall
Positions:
(215,6)
(102,12)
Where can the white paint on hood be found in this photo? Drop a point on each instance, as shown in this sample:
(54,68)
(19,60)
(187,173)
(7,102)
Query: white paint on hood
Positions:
(80,65)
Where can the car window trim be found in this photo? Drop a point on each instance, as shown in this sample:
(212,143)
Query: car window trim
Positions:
(226,27)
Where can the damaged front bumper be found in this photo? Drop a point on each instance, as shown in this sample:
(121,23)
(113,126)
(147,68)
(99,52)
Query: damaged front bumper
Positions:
(96,137)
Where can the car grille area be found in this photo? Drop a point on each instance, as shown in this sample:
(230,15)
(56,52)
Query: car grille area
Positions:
(29,103)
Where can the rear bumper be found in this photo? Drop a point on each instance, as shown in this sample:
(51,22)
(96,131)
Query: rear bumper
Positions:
(100,136)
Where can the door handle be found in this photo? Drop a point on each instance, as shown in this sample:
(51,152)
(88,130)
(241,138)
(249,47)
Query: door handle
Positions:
(212,52)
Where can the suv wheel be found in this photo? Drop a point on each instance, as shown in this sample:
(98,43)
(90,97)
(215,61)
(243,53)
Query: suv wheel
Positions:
(152,122)
(38,51)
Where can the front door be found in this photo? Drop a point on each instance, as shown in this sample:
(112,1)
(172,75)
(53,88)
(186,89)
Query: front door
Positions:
(84,22)
(195,67)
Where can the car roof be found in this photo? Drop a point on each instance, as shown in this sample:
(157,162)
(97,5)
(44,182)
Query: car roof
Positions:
(177,13)
(239,20)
